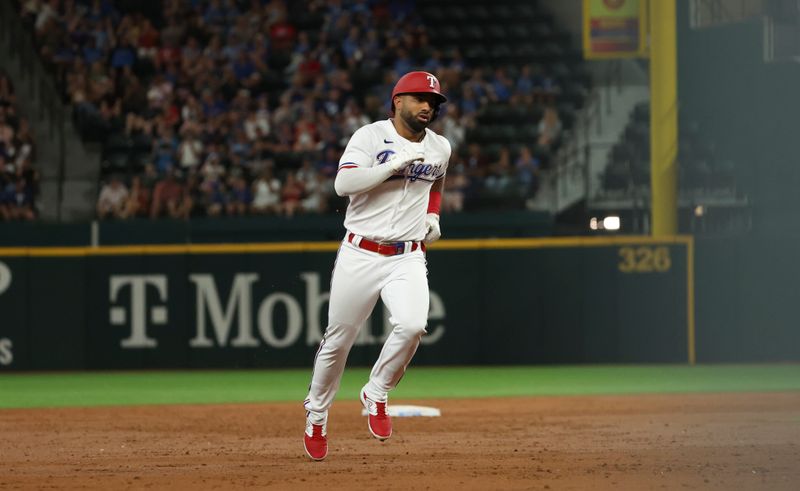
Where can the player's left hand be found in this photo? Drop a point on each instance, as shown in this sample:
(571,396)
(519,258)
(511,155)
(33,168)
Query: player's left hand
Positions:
(434,231)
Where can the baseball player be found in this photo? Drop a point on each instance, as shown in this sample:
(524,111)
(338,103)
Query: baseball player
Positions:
(393,171)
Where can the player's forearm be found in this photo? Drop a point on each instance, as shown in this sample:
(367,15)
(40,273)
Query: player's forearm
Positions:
(438,185)
(355,180)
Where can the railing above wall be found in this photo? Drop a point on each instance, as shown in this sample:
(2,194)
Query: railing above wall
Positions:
(709,13)
(571,176)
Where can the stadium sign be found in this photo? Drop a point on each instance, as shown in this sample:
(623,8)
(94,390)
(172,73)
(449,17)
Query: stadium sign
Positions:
(238,320)
(6,344)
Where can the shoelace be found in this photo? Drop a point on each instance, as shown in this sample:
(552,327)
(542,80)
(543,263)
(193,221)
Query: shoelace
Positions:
(381,409)
(316,431)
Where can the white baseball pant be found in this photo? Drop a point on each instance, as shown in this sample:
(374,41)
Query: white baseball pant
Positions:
(359,278)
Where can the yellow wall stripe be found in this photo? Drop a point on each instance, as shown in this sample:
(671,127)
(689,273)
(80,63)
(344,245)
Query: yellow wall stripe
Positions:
(282,247)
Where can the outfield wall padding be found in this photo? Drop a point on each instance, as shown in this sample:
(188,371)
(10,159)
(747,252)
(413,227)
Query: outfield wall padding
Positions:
(207,306)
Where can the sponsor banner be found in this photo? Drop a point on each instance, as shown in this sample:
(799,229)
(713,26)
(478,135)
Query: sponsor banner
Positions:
(244,310)
(14,337)
(206,308)
(614,28)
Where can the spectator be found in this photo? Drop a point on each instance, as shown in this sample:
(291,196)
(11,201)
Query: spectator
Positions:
(469,101)
(454,127)
(241,197)
(257,125)
(549,128)
(306,174)
(27,173)
(500,178)
(545,87)
(147,43)
(113,199)
(354,118)
(329,163)
(24,206)
(212,169)
(292,193)
(318,193)
(216,198)
(7,190)
(266,193)
(150,178)
(168,197)
(527,167)
(7,134)
(305,136)
(240,145)
(164,150)
(403,62)
(523,90)
(501,86)
(122,56)
(476,164)
(282,34)
(138,203)
(194,197)
(456,188)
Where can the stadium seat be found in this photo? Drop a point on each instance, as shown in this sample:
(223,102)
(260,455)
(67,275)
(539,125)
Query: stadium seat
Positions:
(526,53)
(616,176)
(541,31)
(502,12)
(496,32)
(519,31)
(473,33)
(449,34)
(528,133)
(501,53)
(506,133)
(524,11)
(458,14)
(521,115)
(118,142)
(475,53)
(478,13)
(566,113)
(116,162)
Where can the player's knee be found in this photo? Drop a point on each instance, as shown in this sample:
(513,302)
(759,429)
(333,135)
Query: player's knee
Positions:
(413,329)
(339,337)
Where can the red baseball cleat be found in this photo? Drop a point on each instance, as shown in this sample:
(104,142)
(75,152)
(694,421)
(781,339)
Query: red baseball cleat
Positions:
(378,421)
(315,441)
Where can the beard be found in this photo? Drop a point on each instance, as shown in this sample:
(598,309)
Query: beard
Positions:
(415,124)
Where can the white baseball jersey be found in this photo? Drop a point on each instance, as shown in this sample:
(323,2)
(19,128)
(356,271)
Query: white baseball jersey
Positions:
(394,210)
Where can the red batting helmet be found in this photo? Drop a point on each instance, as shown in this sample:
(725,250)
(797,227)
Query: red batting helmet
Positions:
(417,83)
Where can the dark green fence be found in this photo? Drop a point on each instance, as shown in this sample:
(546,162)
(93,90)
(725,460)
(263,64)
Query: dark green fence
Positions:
(265,305)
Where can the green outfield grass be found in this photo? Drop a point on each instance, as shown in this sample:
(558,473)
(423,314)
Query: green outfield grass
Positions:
(26,390)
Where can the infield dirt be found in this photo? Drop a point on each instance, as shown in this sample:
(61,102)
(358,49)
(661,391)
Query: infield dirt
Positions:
(738,441)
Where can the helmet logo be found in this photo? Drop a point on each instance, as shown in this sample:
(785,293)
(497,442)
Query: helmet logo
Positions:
(432,80)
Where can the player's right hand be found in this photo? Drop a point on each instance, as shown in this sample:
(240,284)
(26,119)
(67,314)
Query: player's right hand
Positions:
(408,154)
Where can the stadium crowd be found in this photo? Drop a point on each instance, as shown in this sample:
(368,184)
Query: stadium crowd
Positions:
(230,107)
(19,180)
